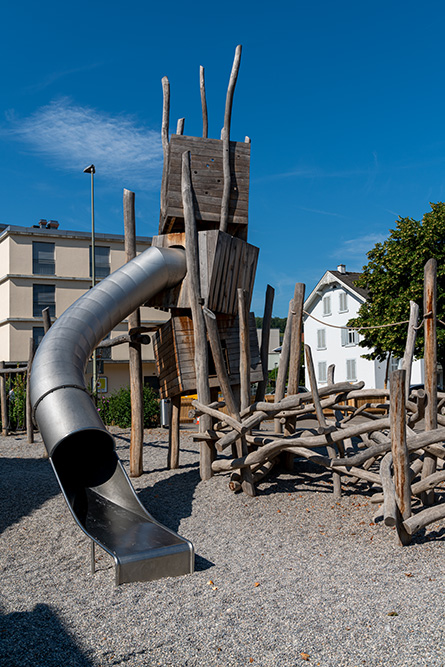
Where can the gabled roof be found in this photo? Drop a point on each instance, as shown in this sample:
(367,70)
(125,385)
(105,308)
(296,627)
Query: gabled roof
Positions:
(346,280)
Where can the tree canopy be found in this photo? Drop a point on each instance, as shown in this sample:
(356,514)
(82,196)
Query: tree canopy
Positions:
(275,323)
(394,275)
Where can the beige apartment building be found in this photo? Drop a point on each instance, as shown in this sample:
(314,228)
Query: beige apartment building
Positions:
(45,266)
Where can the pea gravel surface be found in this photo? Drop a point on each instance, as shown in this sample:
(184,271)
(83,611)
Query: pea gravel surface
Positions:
(288,578)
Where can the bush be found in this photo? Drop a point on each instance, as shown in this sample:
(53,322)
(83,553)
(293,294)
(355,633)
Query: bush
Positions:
(16,393)
(116,409)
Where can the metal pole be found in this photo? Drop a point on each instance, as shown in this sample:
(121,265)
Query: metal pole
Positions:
(92,170)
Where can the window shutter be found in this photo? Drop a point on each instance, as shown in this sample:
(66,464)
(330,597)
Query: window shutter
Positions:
(322,377)
(343,302)
(351,369)
(321,339)
(326,305)
(344,337)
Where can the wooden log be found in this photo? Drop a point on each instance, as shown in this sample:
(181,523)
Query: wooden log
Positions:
(29,424)
(201,358)
(135,354)
(419,414)
(214,412)
(410,344)
(400,455)
(424,518)
(430,360)
(265,337)
(223,379)
(13,371)
(422,440)
(389,491)
(180,126)
(164,137)
(205,119)
(330,373)
(140,339)
(323,428)
(46,320)
(244,343)
(3,402)
(295,342)
(225,135)
(174,433)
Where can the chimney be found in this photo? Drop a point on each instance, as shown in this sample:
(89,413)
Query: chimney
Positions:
(42,223)
(53,224)
(341,268)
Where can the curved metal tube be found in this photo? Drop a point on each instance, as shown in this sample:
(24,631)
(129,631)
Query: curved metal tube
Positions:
(59,398)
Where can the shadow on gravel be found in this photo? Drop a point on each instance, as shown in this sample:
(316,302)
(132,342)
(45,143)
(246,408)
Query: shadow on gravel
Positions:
(170,500)
(17,478)
(38,638)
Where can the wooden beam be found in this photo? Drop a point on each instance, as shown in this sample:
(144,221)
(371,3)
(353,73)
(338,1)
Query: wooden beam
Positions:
(201,358)
(224,220)
(135,354)
(265,337)
(430,315)
(4,407)
(29,424)
(202,87)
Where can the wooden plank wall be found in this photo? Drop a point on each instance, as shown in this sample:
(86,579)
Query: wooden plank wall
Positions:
(207,182)
(174,351)
(226,263)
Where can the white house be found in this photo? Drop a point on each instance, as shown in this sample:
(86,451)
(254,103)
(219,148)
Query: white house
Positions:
(331,304)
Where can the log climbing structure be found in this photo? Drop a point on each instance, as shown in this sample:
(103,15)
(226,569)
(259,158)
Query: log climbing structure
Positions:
(387,442)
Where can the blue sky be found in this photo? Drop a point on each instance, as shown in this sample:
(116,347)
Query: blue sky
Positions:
(344,103)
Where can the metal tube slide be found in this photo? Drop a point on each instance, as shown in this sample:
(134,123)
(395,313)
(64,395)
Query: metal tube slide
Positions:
(81,450)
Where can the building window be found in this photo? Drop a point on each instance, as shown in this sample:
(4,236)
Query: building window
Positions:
(43,296)
(343,302)
(322,371)
(43,263)
(327,305)
(102,261)
(321,339)
(349,337)
(393,364)
(37,335)
(351,370)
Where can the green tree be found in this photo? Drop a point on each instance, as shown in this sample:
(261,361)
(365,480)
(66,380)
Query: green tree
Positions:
(394,275)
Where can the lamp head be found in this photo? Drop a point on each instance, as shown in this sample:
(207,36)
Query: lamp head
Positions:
(90,170)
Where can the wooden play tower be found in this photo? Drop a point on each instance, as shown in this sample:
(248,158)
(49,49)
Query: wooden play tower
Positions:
(204,209)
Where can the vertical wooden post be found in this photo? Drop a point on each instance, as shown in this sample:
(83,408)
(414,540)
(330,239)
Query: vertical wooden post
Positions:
(29,424)
(294,362)
(164,137)
(410,344)
(180,126)
(280,384)
(205,120)
(224,220)
(400,454)
(199,328)
(229,398)
(4,407)
(46,320)
(265,336)
(244,338)
(430,314)
(135,350)
(173,433)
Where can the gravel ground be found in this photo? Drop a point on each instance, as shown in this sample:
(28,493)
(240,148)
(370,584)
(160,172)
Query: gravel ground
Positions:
(287,578)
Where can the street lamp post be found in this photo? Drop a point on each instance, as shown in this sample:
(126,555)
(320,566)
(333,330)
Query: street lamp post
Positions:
(91,169)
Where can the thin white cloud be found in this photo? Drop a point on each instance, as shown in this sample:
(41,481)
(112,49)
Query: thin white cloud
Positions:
(358,247)
(316,210)
(72,137)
